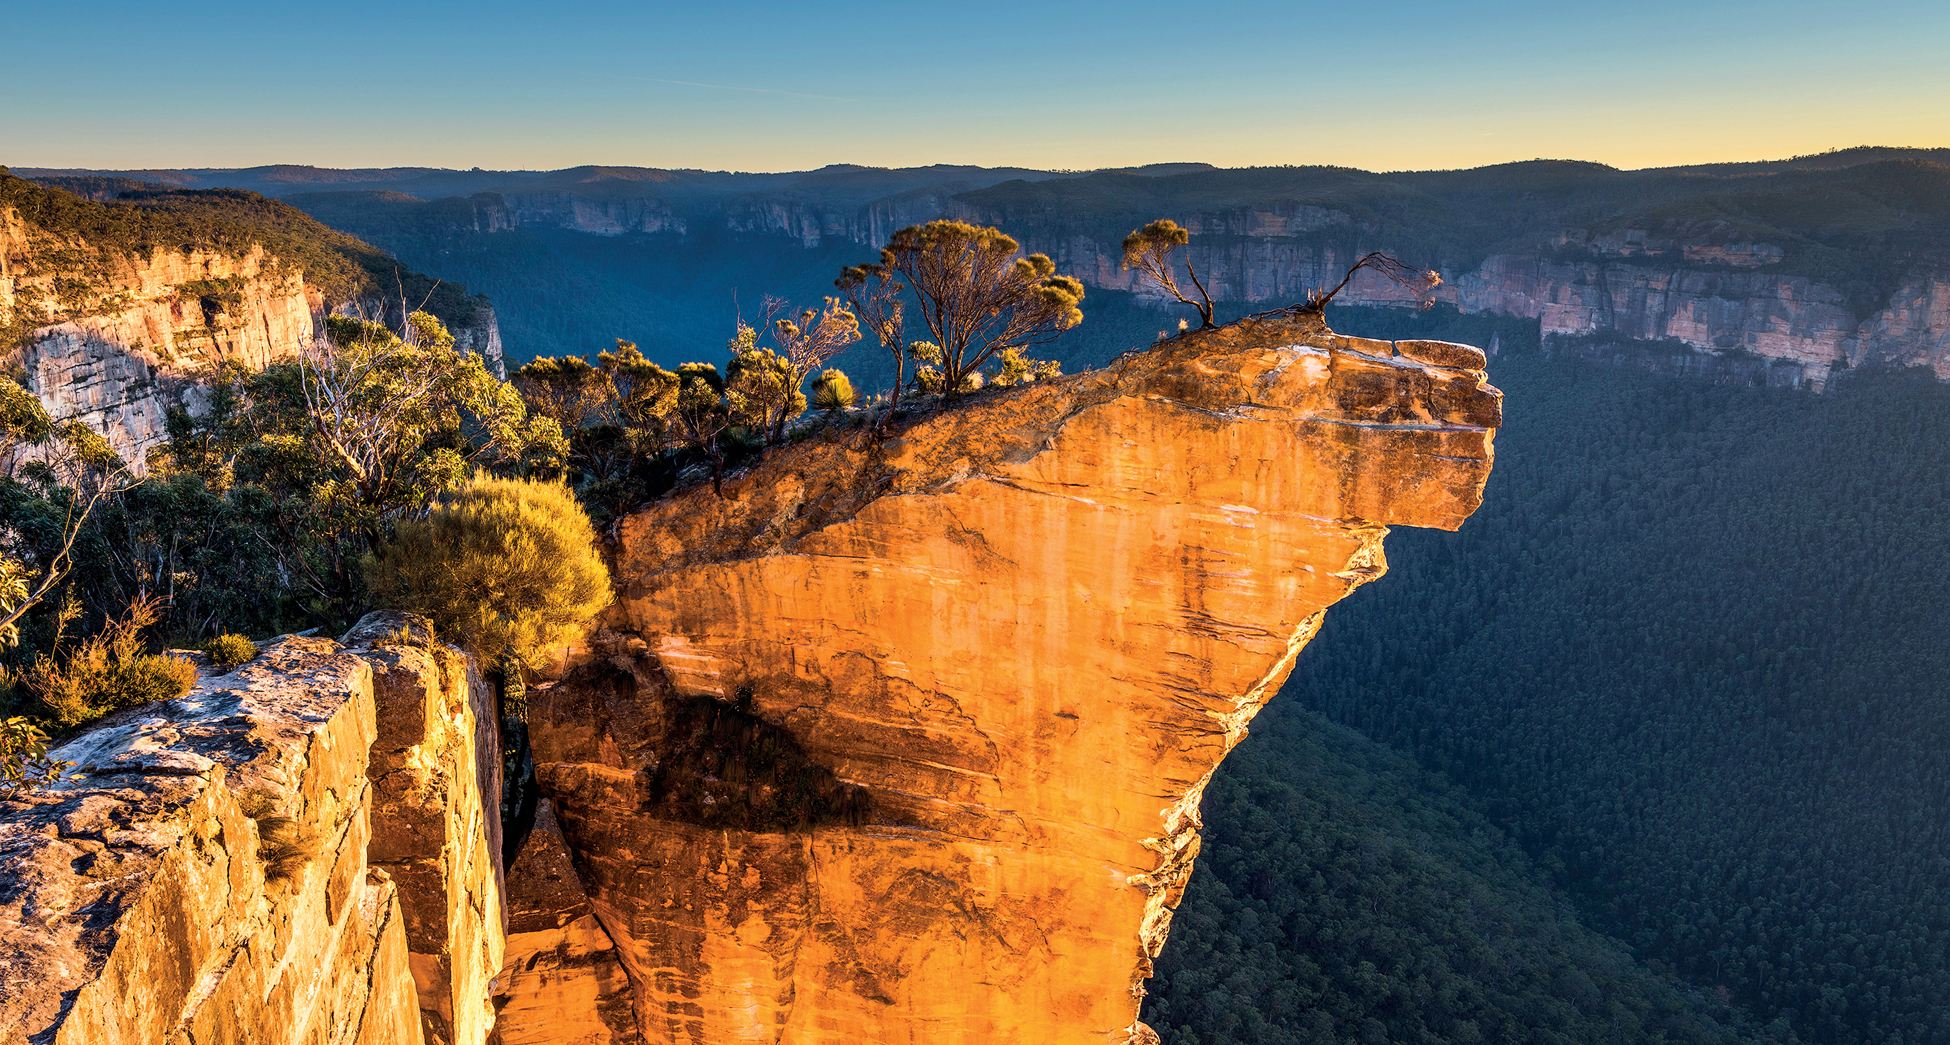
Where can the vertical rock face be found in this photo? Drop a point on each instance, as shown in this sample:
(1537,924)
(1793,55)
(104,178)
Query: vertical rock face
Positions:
(436,785)
(563,984)
(904,741)
(220,871)
(115,339)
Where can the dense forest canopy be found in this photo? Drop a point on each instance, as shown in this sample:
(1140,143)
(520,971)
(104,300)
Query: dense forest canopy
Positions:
(1684,655)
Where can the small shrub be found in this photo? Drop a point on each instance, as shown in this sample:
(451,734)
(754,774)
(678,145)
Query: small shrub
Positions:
(508,567)
(285,847)
(229,650)
(109,671)
(833,392)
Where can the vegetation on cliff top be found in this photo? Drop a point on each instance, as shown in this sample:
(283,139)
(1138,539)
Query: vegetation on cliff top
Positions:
(94,218)
(507,567)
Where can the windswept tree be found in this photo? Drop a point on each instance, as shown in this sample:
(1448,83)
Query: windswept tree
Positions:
(645,395)
(761,389)
(977,298)
(1422,282)
(876,297)
(702,416)
(1149,249)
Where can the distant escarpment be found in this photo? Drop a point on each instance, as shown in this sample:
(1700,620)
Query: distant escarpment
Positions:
(903,739)
(1808,265)
(111,311)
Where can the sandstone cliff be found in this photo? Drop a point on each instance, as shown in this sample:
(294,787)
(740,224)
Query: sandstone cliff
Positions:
(117,337)
(302,850)
(904,741)
(1703,294)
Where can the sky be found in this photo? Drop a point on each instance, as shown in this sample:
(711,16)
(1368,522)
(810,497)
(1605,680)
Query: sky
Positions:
(759,85)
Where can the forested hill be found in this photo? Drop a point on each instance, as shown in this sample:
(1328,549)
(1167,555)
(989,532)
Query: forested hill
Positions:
(1685,656)
(117,214)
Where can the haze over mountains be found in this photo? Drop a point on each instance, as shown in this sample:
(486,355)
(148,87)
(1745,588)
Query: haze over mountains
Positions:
(1792,268)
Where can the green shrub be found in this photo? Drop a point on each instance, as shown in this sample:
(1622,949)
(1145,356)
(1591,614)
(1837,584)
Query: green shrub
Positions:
(109,671)
(833,391)
(508,567)
(24,765)
(229,650)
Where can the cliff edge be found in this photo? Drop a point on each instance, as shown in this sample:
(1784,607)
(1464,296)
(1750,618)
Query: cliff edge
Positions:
(305,849)
(903,740)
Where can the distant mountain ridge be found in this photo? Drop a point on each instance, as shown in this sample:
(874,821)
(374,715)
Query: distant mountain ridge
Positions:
(1806,265)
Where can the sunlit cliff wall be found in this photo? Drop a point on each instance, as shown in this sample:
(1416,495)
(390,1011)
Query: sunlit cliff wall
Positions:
(904,741)
(116,339)
(306,849)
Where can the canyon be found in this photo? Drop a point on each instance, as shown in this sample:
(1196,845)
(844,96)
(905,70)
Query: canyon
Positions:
(1800,268)
(901,739)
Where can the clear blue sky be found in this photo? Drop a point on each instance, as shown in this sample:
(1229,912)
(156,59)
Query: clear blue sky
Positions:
(764,85)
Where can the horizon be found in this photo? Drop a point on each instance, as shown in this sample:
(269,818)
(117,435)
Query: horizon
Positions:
(759,85)
(391,167)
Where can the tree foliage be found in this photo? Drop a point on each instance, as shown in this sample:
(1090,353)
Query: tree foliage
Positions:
(1148,249)
(509,567)
(976,297)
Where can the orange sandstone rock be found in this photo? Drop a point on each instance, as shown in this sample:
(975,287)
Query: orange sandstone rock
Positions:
(904,740)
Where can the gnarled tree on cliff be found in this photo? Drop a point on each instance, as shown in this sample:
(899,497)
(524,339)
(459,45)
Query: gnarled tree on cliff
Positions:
(977,298)
(1149,251)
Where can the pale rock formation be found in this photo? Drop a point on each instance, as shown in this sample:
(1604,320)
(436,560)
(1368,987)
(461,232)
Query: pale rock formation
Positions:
(903,741)
(218,873)
(116,339)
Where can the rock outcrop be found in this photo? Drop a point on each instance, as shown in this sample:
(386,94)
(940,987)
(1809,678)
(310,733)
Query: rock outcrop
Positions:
(904,740)
(117,338)
(296,851)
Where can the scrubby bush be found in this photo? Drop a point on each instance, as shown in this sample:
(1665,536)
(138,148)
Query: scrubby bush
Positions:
(229,650)
(833,392)
(109,671)
(508,567)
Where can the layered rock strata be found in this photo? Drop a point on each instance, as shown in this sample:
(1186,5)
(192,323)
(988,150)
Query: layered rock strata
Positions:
(116,339)
(903,740)
(219,871)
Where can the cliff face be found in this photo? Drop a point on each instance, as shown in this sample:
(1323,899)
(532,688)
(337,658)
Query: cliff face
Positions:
(1699,289)
(605,216)
(1703,294)
(904,741)
(298,851)
(117,338)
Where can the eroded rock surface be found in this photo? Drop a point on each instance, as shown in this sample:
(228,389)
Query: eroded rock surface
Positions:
(563,984)
(117,338)
(219,871)
(904,741)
